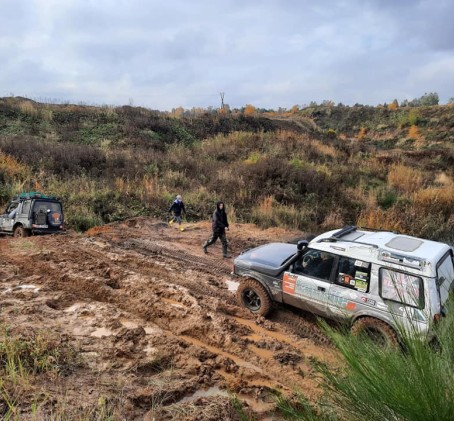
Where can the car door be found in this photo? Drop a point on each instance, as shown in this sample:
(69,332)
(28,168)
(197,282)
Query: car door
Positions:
(307,283)
(7,219)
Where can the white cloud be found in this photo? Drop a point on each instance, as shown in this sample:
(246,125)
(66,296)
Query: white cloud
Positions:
(271,53)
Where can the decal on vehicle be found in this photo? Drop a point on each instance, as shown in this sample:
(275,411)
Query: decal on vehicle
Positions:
(361,281)
(289,284)
(350,306)
(368,301)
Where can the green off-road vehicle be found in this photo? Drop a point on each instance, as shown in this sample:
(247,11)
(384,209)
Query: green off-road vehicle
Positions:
(32,213)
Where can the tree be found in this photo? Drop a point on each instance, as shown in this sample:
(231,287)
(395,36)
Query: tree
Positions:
(249,109)
(451,100)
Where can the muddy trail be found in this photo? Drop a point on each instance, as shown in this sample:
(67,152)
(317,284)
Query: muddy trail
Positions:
(153,325)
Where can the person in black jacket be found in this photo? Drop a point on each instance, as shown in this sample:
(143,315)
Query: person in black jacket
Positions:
(178,209)
(219,225)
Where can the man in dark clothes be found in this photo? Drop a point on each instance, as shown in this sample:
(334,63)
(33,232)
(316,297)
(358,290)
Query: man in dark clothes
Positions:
(219,225)
(178,209)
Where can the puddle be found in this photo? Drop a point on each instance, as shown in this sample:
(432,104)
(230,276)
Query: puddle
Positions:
(257,405)
(34,288)
(232,285)
(238,361)
(172,302)
(73,308)
(261,331)
(212,391)
(152,330)
(129,324)
(266,354)
(100,332)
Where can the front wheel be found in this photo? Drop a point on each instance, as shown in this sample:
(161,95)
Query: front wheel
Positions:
(376,330)
(252,295)
(20,232)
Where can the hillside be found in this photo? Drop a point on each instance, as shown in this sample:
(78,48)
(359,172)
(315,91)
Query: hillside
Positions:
(319,168)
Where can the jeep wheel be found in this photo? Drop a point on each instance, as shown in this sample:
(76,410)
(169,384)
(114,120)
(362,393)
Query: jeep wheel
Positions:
(376,330)
(20,231)
(253,296)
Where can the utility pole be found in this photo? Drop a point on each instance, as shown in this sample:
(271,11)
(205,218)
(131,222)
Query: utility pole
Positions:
(222,100)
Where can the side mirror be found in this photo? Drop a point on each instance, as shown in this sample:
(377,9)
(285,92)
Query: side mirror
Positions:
(302,245)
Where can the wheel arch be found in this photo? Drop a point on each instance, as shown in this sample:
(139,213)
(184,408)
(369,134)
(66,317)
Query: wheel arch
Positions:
(259,280)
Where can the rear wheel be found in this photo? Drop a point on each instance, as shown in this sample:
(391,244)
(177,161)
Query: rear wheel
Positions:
(376,330)
(252,295)
(20,232)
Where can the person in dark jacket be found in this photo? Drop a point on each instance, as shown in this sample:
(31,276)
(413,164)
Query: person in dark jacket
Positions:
(219,225)
(178,209)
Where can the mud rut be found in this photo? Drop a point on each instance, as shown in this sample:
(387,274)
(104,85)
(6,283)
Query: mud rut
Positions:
(158,329)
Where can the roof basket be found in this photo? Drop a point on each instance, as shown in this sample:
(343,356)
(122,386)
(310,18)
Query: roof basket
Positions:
(35,195)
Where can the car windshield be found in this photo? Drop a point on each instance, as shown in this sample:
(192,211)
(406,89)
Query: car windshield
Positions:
(43,206)
(274,254)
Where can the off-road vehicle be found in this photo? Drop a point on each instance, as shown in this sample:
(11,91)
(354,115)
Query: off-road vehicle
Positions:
(32,213)
(378,281)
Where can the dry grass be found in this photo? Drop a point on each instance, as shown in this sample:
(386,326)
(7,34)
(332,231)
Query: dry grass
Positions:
(405,179)
(380,219)
(12,167)
(435,199)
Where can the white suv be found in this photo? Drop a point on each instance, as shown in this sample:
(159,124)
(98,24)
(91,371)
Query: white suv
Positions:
(378,281)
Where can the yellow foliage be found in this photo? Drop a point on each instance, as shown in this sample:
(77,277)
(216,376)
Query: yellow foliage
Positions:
(249,109)
(392,106)
(10,166)
(405,179)
(362,133)
(413,132)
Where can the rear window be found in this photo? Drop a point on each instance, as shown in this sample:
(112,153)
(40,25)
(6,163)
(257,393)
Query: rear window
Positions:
(445,277)
(42,206)
(401,288)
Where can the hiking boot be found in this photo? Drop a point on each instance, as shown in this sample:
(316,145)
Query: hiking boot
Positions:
(225,253)
(205,249)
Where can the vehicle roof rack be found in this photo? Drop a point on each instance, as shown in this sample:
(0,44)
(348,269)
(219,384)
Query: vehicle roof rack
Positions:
(344,231)
(34,195)
(334,240)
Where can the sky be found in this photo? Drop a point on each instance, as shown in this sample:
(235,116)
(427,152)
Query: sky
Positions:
(185,53)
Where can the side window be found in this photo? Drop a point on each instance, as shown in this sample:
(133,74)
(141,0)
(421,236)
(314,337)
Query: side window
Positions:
(11,207)
(26,207)
(401,288)
(353,274)
(445,277)
(315,263)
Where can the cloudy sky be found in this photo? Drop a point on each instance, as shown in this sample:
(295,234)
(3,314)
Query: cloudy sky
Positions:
(268,53)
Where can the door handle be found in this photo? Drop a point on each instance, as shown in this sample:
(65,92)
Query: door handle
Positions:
(321,289)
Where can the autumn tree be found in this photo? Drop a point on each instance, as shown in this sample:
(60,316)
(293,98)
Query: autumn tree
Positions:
(249,109)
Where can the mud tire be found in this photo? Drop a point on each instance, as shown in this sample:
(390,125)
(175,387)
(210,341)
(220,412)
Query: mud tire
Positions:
(20,232)
(378,331)
(253,296)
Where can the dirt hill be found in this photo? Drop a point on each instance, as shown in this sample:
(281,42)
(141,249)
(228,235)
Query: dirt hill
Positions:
(133,321)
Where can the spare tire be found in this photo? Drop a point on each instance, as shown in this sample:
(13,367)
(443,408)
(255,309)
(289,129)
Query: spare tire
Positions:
(54,219)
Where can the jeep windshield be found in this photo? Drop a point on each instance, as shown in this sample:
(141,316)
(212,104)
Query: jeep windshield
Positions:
(274,254)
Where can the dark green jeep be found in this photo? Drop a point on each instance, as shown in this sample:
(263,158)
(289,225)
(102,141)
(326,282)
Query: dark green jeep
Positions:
(32,213)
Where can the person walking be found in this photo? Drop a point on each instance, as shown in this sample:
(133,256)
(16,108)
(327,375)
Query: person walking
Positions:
(178,209)
(219,225)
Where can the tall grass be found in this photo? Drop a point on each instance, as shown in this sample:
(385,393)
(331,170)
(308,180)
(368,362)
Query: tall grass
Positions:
(379,383)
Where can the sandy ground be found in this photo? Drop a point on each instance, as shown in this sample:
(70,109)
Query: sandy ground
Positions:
(155,323)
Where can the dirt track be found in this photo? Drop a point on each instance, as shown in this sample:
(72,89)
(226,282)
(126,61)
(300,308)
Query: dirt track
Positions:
(156,323)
